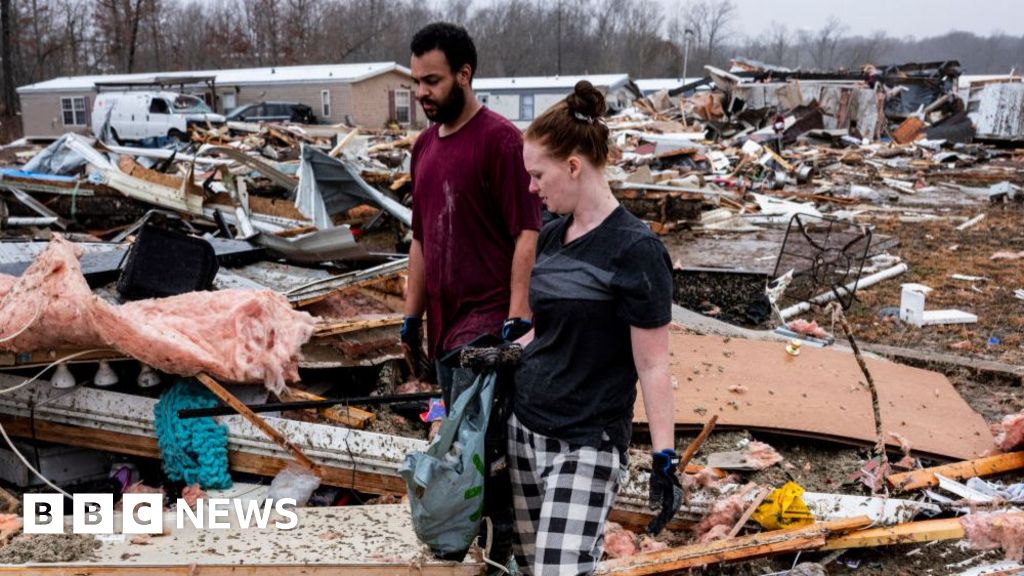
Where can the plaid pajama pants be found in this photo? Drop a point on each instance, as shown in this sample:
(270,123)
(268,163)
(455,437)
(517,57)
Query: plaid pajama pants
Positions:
(562,495)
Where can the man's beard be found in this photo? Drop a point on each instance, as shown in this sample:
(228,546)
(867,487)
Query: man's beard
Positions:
(447,111)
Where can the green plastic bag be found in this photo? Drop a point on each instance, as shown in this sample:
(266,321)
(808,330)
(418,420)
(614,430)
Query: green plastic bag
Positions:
(446,482)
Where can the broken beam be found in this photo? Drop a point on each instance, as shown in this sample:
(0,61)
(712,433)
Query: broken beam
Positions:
(923,531)
(980,467)
(742,548)
(278,438)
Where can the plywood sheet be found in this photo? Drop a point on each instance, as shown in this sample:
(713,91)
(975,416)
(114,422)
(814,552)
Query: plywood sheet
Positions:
(819,394)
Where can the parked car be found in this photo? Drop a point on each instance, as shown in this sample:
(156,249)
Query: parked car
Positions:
(137,115)
(273,112)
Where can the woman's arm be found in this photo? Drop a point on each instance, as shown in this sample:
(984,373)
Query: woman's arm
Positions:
(650,353)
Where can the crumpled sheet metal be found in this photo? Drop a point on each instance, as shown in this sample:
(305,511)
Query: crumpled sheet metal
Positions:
(234,335)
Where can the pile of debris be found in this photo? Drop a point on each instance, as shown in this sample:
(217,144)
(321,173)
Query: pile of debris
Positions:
(255,273)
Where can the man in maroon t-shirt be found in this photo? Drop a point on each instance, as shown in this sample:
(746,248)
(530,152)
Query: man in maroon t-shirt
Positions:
(474,221)
(475,227)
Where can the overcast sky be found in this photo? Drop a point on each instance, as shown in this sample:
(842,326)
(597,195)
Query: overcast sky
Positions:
(898,18)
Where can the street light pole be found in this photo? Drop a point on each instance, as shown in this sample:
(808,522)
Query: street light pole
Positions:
(686,51)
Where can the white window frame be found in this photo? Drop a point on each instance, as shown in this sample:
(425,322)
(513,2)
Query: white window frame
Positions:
(403,106)
(75,106)
(325,103)
(523,98)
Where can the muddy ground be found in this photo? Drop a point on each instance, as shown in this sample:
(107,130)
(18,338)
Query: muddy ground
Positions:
(934,251)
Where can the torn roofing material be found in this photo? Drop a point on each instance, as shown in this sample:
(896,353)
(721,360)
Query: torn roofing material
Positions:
(328,186)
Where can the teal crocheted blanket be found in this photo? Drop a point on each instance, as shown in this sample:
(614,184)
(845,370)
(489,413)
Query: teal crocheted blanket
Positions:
(194,450)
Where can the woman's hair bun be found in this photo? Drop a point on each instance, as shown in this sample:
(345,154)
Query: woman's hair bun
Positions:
(586,100)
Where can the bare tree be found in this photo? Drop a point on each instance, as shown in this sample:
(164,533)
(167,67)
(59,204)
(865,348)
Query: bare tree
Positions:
(710,21)
(822,47)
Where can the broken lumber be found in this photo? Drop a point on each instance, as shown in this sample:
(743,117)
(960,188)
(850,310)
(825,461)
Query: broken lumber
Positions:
(347,416)
(979,467)
(684,460)
(911,532)
(278,438)
(672,560)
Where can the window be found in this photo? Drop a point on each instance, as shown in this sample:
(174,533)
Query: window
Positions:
(526,107)
(159,106)
(402,112)
(325,103)
(73,111)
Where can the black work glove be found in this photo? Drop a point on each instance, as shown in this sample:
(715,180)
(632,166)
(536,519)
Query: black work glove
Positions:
(412,344)
(515,328)
(666,492)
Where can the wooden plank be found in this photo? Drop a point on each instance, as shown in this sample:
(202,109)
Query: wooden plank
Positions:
(672,560)
(147,447)
(980,467)
(347,416)
(818,394)
(348,326)
(758,499)
(923,531)
(278,438)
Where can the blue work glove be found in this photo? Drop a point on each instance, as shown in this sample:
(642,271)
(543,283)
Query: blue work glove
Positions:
(515,328)
(412,344)
(666,492)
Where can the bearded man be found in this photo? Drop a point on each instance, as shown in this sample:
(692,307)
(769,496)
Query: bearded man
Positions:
(474,221)
(475,226)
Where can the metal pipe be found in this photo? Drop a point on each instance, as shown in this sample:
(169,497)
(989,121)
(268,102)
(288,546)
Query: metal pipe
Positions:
(843,290)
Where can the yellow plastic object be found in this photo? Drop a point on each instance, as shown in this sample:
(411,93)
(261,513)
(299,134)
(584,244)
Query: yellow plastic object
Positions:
(783,508)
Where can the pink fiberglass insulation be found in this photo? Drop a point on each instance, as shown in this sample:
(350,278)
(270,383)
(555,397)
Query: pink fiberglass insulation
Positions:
(50,305)
(761,455)
(723,516)
(234,335)
(1011,432)
(988,531)
(618,542)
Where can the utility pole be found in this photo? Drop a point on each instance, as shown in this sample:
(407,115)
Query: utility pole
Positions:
(559,66)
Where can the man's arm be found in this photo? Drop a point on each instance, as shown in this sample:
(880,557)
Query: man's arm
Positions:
(416,290)
(522,265)
(650,353)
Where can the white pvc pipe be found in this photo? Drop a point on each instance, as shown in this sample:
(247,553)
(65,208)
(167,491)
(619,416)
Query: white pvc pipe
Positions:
(856,284)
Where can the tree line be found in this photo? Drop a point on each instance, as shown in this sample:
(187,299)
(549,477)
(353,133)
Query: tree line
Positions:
(43,39)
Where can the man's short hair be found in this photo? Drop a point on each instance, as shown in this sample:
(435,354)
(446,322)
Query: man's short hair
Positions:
(449,38)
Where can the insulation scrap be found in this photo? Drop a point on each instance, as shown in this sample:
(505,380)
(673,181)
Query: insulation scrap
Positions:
(1010,432)
(649,544)
(10,525)
(191,493)
(988,531)
(907,461)
(761,455)
(805,328)
(235,335)
(723,516)
(618,542)
(706,478)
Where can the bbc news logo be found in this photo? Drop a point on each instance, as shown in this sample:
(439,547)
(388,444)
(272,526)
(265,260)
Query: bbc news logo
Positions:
(143,514)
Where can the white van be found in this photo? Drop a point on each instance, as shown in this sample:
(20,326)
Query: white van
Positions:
(138,115)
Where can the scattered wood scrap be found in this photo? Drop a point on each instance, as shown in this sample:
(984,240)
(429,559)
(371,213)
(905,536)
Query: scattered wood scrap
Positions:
(980,468)
(672,560)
